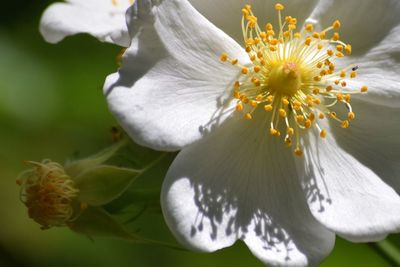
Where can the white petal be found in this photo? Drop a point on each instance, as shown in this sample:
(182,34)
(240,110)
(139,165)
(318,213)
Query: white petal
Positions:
(382,81)
(227,15)
(373,139)
(103,22)
(364,24)
(167,100)
(379,69)
(388,48)
(346,196)
(240,183)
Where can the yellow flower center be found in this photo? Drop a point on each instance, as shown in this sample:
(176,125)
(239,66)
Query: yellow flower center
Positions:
(49,194)
(285,78)
(293,75)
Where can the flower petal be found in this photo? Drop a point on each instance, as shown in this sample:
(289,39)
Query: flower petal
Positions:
(226,15)
(373,139)
(105,22)
(379,70)
(240,183)
(346,196)
(169,99)
(364,25)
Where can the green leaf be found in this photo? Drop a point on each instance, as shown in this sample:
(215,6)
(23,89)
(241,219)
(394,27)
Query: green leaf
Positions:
(102,184)
(74,168)
(95,222)
(137,197)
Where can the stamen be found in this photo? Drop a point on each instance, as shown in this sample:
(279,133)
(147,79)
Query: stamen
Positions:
(292,75)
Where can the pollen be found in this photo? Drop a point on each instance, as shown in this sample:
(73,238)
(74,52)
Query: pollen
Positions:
(293,77)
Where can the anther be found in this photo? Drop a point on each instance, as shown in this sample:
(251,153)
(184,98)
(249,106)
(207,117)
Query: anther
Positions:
(336,24)
(299,118)
(288,141)
(309,27)
(282,113)
(224,57)
(268,107)
(279,7)
(274,132)
(336,36)
(322,134)
(351,116)
(236,85)
(348,49)
(339,54)
(345,124)
(298,152)
(308,124)
(364,89)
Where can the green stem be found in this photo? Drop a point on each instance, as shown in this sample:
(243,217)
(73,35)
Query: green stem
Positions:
(388,251)
(155,162)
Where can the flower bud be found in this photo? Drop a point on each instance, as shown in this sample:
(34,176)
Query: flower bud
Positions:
(49,194)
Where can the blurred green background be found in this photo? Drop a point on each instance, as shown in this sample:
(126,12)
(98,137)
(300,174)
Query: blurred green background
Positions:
(51,106)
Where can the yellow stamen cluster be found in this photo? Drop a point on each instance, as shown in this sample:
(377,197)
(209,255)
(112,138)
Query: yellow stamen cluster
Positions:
(49,194)
(293,75)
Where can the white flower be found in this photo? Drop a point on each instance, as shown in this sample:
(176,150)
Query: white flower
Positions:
(233,180)
(104,19)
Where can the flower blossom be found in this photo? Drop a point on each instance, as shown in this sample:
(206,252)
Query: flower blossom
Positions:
(103,19)
(282,146)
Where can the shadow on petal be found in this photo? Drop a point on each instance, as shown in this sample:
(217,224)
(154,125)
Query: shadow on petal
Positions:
(240,183)
(373,139)
(146,48)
